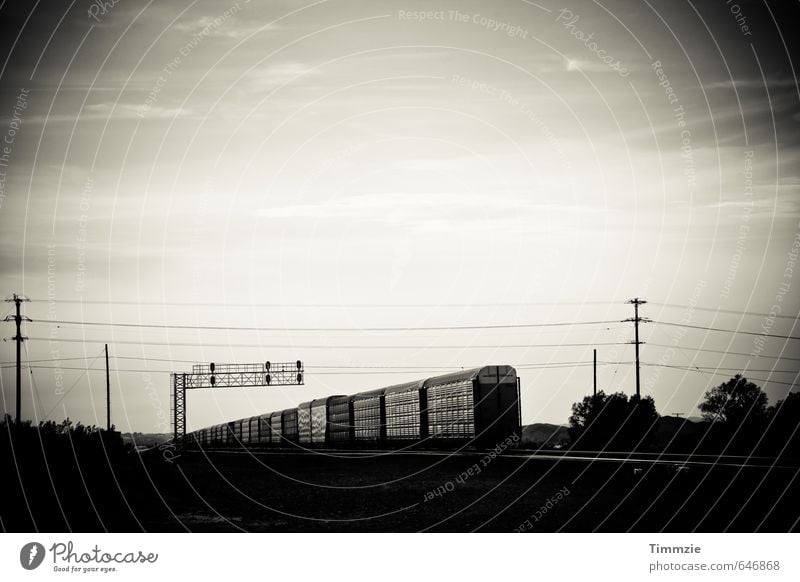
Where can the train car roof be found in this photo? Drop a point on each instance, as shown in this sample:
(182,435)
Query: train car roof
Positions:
(369,394)
(325,400)
(405,387)
(470,374)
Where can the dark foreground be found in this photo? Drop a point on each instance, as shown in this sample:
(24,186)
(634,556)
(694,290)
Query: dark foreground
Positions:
(289,492)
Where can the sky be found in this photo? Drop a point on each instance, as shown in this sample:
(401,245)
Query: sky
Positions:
(457,172)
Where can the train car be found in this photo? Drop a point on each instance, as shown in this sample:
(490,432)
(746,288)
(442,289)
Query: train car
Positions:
(369,417)
(276,428)
(406,412)
(320,413)
(264,429)
(304,423)
(340,420)
(230,433)
(253,436)
(290,430)
(480,406)
(244,432)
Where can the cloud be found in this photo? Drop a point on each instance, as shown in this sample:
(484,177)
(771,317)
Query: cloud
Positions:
(221,26)
(435,212)
(275,75)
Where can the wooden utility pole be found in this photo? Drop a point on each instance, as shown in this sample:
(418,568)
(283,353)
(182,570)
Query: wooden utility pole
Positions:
(595,373)
(18,318)
(108,394)
(636,319)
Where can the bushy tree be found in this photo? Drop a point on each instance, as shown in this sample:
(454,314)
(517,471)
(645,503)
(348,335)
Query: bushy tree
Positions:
(612,421)
(736,402)
(783,435)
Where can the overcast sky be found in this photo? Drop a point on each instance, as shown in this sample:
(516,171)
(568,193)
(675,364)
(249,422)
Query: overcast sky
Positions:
(294,164)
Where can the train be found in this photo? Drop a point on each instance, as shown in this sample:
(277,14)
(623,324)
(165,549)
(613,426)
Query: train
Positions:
(476,408)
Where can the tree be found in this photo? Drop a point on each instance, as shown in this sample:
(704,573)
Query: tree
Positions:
(736,402)
(783,435)
(612,421)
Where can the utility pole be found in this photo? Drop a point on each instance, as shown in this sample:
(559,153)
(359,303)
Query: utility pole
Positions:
(595,374)
(108,395)
(636,319)
(18,318)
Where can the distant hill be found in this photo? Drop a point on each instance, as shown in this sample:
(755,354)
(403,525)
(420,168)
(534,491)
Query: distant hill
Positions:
(543,434)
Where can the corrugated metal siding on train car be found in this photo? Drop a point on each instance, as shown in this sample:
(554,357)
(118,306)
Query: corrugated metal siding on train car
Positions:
(289,421)
(404,407)
(451,405)
(340,419)
(319,420)
(369,418)
(304,423)
(265,429)
(276,426)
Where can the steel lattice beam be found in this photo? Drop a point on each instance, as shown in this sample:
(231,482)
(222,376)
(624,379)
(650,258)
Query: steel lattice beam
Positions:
(227,376)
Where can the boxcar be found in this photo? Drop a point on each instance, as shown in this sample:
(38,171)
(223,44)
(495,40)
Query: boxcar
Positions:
(369,416)
(479,405)
(276,428)
(245,431)
(406,412)
(320,413)
(340,419)
(304,423)
(289,422)
(264,429)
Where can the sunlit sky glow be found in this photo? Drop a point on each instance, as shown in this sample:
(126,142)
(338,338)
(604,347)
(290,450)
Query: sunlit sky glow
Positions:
(293,165)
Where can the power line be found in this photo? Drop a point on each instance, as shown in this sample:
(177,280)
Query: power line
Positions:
(728,311)
(699,371)
(323,346)
(734,331)
(321,329)
(727,353)
(397,369)
(323,305)
(75,383)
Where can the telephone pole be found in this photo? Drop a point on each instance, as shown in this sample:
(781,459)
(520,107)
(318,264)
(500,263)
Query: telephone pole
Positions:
(595,373)
(636,319)
(18,318)
(108,395)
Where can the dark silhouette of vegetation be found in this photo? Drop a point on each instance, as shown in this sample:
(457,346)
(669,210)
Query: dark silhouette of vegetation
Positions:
(612,421)
(737,421)
(737,402)
(61,476)
(782,437)
(737,413)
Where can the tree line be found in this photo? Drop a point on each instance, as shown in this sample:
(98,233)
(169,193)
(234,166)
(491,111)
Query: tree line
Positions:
(737,420)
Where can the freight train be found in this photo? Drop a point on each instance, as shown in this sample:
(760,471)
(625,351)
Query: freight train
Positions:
(478,407)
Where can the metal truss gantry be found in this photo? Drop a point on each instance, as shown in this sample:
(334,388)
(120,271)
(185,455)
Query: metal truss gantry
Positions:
(227,376)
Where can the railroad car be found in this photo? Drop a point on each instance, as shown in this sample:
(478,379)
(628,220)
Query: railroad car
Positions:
(264,429)
(320,413)
(340,420)
(406,412)
(289,430)
(304,423)
(478,407)
(276,428)
(369,417)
